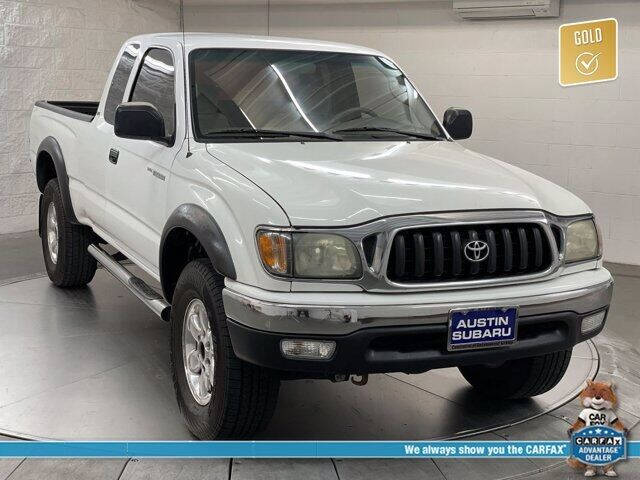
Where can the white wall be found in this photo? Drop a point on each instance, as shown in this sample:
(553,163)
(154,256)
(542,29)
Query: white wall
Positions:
(57,50)
(584,138)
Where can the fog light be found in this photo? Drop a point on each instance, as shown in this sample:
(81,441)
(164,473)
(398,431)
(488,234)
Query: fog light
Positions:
(592,322)
(308,349)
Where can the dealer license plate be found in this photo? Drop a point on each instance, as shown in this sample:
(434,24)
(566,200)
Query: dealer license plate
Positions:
(482,328)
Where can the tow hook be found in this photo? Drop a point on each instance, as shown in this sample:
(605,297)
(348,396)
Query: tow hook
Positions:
(360,380)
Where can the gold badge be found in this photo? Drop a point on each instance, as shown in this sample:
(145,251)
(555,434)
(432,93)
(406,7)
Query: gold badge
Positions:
(588,52)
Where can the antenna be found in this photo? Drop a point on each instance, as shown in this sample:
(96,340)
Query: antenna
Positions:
(184,74)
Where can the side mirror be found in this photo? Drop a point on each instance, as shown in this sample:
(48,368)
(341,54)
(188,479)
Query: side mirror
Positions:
(458,122)
(139,120)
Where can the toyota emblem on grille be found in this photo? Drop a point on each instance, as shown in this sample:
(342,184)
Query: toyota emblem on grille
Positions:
(476,250)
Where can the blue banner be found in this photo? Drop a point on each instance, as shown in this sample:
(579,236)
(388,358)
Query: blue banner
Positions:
(301,449)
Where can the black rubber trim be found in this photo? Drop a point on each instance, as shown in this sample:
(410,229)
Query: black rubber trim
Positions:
(84,111)
(51,146)
(438,254)
(202,225)
(410,349)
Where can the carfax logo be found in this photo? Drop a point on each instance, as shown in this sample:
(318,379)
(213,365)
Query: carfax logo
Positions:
(597,435)
(598,446)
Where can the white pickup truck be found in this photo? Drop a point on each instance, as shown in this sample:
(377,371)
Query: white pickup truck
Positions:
(308,216)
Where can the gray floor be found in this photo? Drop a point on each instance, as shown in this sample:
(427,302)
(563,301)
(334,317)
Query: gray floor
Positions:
(20,256)
(107,378)
(120,389)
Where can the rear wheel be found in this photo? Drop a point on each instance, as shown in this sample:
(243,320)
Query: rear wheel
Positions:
(520,378)
(64,244)
(219,395)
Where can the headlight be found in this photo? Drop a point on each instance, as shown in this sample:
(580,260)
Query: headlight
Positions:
(581,241)
(309,255)
(316,255)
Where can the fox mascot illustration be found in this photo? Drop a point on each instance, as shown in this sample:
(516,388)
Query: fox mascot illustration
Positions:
(599,401)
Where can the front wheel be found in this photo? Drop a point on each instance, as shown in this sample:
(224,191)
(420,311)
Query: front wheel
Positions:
(219,395)
(520,378)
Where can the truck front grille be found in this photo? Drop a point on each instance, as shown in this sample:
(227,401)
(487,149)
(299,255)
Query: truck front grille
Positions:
(468,252)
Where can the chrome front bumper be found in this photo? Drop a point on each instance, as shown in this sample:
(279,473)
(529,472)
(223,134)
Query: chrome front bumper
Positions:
(378,333)
(342,313)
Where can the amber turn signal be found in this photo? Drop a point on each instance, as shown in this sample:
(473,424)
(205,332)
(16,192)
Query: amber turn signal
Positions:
(275,252)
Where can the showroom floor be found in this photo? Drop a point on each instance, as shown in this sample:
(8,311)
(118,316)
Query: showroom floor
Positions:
(115,385)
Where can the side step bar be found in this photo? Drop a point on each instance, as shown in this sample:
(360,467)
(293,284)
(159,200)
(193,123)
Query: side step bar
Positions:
(135,285)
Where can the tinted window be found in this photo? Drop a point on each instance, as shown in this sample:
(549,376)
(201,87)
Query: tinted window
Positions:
(119,82)
(155,85)
(304,92)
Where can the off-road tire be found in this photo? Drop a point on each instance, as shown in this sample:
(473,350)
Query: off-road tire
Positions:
(243,396)
(520,378)
(74,267)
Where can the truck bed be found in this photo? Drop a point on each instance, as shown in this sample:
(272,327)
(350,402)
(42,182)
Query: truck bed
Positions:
(79,110)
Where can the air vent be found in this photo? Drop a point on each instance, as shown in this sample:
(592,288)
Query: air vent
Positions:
(487,9)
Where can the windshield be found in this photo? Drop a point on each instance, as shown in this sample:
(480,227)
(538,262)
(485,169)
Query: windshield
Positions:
(267,95)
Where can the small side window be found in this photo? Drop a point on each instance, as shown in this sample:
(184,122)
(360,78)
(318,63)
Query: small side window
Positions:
(156,85)
(119,82)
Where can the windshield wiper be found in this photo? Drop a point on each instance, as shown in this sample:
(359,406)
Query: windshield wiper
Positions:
(423,136)
(258,133)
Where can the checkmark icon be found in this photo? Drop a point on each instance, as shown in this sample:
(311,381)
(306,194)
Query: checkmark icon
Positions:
(587,63)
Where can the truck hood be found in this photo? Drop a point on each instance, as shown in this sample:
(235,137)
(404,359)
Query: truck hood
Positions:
(347,183)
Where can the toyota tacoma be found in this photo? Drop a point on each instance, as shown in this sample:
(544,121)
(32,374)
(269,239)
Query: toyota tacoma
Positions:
(307,216)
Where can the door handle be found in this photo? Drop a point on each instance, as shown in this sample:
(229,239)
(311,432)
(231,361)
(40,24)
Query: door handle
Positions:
(113,155)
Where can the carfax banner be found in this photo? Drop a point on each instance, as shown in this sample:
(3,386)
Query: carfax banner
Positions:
(302,449)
